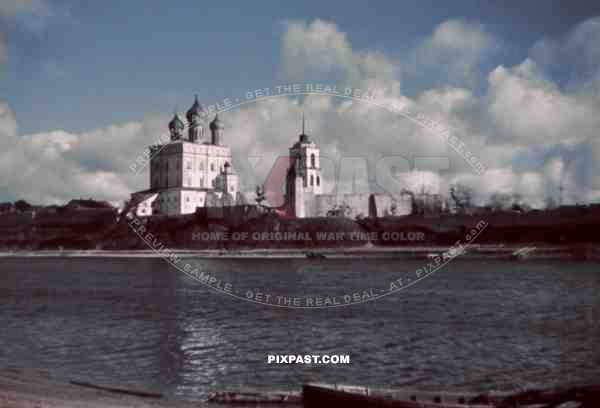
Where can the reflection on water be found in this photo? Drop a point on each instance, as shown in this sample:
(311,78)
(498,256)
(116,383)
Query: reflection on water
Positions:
(142,323)
(200,348)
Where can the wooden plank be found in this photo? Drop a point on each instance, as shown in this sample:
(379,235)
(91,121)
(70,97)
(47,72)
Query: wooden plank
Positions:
(137,393)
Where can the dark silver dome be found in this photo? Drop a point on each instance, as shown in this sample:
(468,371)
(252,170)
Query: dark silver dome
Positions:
(176,124)
(196,112)
(217,123)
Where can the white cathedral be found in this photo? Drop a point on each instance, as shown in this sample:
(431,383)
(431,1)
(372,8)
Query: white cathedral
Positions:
(195,171)
(189,171)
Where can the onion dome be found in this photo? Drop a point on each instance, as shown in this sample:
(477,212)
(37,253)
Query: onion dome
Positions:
(176,125)
(217,123)
(196,112)
(219,183)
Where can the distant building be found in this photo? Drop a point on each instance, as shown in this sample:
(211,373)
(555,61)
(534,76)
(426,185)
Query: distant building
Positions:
(303,181)
(304,190)
(190,170)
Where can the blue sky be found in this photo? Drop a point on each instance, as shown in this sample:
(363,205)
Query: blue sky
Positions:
(86,86)
(83,65)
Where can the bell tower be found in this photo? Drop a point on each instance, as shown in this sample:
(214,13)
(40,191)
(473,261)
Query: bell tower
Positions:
(295,191)
(307,165)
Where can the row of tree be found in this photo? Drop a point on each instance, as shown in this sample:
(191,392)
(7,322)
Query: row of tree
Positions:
(462,197)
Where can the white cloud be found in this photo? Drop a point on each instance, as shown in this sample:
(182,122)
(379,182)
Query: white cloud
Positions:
(56,166)
(526,108)
(454,50)
(523,129)
(320,51)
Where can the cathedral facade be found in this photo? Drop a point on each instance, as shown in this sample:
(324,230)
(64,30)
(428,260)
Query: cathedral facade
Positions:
(192,170)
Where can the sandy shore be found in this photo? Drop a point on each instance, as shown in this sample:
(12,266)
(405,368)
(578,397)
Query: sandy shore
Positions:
(36,389)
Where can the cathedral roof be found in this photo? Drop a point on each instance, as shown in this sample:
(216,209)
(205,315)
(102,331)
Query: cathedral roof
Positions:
(176,123)
(195,112)
(217,123)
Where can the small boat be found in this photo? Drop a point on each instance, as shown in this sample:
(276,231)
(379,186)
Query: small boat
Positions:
(433,255)
(314,255)
(328,395)
(522,254)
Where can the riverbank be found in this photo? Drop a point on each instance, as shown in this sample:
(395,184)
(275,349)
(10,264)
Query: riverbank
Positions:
(472,251)
(193,232)
(20,388)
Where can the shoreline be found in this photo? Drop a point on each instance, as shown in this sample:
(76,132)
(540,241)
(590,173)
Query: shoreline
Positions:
(473,251)
(32,388)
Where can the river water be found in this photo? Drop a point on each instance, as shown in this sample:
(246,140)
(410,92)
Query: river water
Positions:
(140,323)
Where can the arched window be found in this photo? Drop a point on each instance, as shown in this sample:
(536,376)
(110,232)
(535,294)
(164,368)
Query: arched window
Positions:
(212,167)
(312,160)
(318,181)
(312,180)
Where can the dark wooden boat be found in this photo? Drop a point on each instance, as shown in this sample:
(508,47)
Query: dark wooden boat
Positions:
(314,255)
(327,395)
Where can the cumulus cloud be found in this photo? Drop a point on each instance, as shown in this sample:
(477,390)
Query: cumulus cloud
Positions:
(453,53)
(527,108)
(56,166)
(320,51)
(531,133)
